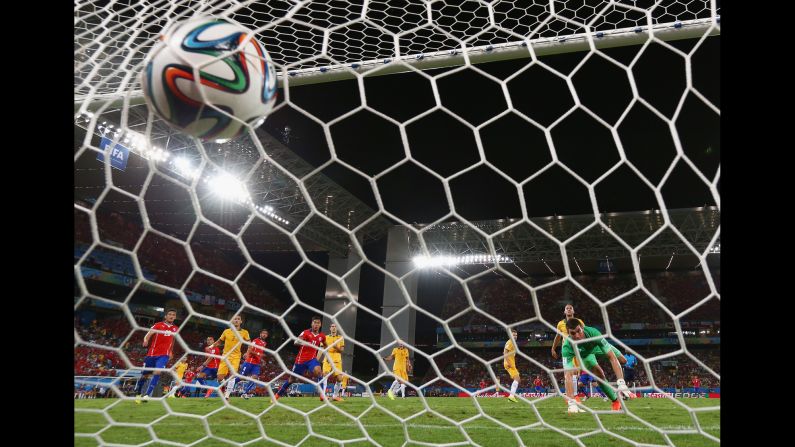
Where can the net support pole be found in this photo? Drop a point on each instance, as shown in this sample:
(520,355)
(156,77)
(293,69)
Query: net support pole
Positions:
(398,262)
(336,299)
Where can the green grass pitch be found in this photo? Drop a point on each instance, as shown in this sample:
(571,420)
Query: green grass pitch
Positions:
(165,422)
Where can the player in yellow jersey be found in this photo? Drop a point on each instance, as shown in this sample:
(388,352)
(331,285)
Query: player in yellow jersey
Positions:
(336,346)
(570,376)
(509,363)
(344,384)
(179,368)
(231,353)
(568,312)
(401,369)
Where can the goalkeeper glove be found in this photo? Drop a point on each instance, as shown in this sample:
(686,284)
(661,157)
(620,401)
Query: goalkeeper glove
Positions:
(623,391)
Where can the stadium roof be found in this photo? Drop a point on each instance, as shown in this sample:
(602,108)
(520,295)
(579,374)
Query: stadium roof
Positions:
(529,250)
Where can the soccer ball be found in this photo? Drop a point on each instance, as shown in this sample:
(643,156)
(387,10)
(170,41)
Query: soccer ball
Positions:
(231,92)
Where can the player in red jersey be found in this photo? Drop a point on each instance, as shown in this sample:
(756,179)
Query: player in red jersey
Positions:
(162,338)
(538,384)
(209,369)
(307,358)
(255,356)
(183,390)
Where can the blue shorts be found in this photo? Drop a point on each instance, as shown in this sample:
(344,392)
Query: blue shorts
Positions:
(586,379)
(158,361)
(250,369)
(301,368)
(538,389)
(210,373)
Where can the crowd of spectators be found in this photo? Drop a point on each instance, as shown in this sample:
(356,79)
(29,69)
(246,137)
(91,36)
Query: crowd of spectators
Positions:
(94,361)
(165,262)
(509,302)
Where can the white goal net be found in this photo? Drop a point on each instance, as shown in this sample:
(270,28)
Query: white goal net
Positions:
(434,174)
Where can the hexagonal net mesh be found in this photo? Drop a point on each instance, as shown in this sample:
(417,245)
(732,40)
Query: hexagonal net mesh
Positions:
(520,156)
(318,41)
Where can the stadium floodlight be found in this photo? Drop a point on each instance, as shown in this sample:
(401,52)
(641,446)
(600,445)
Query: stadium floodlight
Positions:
(451,261)
(160,154)
(421,261)
(227,187)
(223,185)
(184,167)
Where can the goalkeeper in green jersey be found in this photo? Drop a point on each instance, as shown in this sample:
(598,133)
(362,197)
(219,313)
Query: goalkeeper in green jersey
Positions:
(590,352)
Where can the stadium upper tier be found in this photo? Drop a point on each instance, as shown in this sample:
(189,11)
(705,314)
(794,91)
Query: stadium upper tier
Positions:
(508,301)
